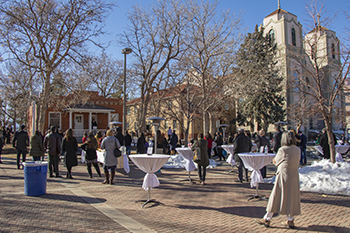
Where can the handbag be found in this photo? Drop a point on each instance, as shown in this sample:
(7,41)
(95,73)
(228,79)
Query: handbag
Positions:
(196,154)
(117,152)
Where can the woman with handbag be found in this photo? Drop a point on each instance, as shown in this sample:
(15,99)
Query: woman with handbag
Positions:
(91,157)
(109,143)
(69,150)
(200,151)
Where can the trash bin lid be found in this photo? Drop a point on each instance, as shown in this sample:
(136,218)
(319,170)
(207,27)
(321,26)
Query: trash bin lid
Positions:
(34,164)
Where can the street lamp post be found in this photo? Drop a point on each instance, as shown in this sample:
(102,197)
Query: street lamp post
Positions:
(223,126)
(156,123)
(125,51)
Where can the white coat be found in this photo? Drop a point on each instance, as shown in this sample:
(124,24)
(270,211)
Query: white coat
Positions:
(285,195)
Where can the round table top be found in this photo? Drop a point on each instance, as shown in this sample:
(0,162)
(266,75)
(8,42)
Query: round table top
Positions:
(256,154)
(153,156)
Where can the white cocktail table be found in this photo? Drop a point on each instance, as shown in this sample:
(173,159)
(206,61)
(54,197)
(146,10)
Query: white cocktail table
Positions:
(254,162)
(187,154)
(149,164)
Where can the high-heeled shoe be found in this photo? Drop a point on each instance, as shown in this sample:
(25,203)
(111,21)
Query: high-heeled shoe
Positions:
(262,221)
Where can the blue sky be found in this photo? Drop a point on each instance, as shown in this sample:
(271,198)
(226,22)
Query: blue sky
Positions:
(254,13)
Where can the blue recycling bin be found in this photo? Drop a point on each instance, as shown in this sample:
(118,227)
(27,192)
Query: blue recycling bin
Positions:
(35,178)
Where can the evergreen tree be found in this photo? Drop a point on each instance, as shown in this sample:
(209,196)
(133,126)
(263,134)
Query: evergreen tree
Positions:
(258,84)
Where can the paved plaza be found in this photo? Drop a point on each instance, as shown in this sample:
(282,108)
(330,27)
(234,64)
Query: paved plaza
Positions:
(86,205)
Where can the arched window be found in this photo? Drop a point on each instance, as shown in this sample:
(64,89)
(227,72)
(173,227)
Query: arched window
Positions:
(294,42)
(333,51)
(313,52)
(272,36)
(296,82)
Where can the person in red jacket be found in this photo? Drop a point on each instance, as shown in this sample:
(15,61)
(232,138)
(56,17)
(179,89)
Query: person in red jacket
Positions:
(210,142)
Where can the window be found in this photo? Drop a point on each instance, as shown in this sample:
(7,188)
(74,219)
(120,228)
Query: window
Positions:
(174,124)
(294,42)
(166,124)
(127,125)
(170,104)
(115,117)
(135,126)
(297,81)
(128,111)
(307,82)
(313,52)
(333,51)
(55,119)
(271,36)
(135,110)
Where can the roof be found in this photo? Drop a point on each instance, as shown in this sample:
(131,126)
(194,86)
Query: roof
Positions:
(278,11)
(89,107)
(319,28)
(169,92)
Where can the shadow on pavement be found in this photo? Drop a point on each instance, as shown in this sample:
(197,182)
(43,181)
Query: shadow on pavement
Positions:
(73,198)
(246,211)
(328,199)
(323,228)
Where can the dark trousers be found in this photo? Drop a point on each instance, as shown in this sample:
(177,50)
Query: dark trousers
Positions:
(36,158)
(240,172)
(19,153)
(209,153)
(302,156)
(200,174)
(53,164)
(97,168)
(69,172)
(220,155)
(263,172)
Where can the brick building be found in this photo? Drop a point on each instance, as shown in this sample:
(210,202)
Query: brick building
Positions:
(79,115)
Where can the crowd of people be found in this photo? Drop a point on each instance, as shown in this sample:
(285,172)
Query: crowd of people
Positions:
(289,147)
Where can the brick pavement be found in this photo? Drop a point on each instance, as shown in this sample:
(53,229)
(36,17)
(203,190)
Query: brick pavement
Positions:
(86,205)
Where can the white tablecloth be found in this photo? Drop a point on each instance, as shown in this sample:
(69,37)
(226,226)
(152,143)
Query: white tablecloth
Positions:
(229,150)
(253,162)
(187,154)
(149,164)
(100,158)
(339,150)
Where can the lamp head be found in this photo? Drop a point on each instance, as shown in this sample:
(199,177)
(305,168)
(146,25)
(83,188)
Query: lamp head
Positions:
(126,50)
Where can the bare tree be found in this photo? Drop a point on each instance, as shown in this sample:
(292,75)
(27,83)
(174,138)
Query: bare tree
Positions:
(325,66)
(155,35)
(211,37)
(16,82)
(44,33)
(105,75)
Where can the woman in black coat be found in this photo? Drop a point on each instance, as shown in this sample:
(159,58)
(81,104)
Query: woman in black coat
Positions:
(69,150)
(141,141)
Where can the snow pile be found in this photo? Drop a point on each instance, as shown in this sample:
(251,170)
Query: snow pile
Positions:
(324,177)
(177,161)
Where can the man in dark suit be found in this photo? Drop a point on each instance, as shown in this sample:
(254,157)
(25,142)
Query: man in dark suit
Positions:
(20,142)
(52,143)
(277,139)
(242,144)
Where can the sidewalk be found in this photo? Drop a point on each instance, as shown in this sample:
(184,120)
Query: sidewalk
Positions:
(86,205)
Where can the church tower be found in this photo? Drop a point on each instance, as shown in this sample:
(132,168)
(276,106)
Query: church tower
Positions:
(284,28)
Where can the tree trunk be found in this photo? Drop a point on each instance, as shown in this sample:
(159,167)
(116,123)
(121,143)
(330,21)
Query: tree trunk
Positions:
(44,102)
(331,141)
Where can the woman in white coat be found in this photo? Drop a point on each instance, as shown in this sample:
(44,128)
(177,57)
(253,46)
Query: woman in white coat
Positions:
(110,162)
(285,195)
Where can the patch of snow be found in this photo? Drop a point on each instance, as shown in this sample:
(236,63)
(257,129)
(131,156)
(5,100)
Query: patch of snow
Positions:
(324,177)
(177,161)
